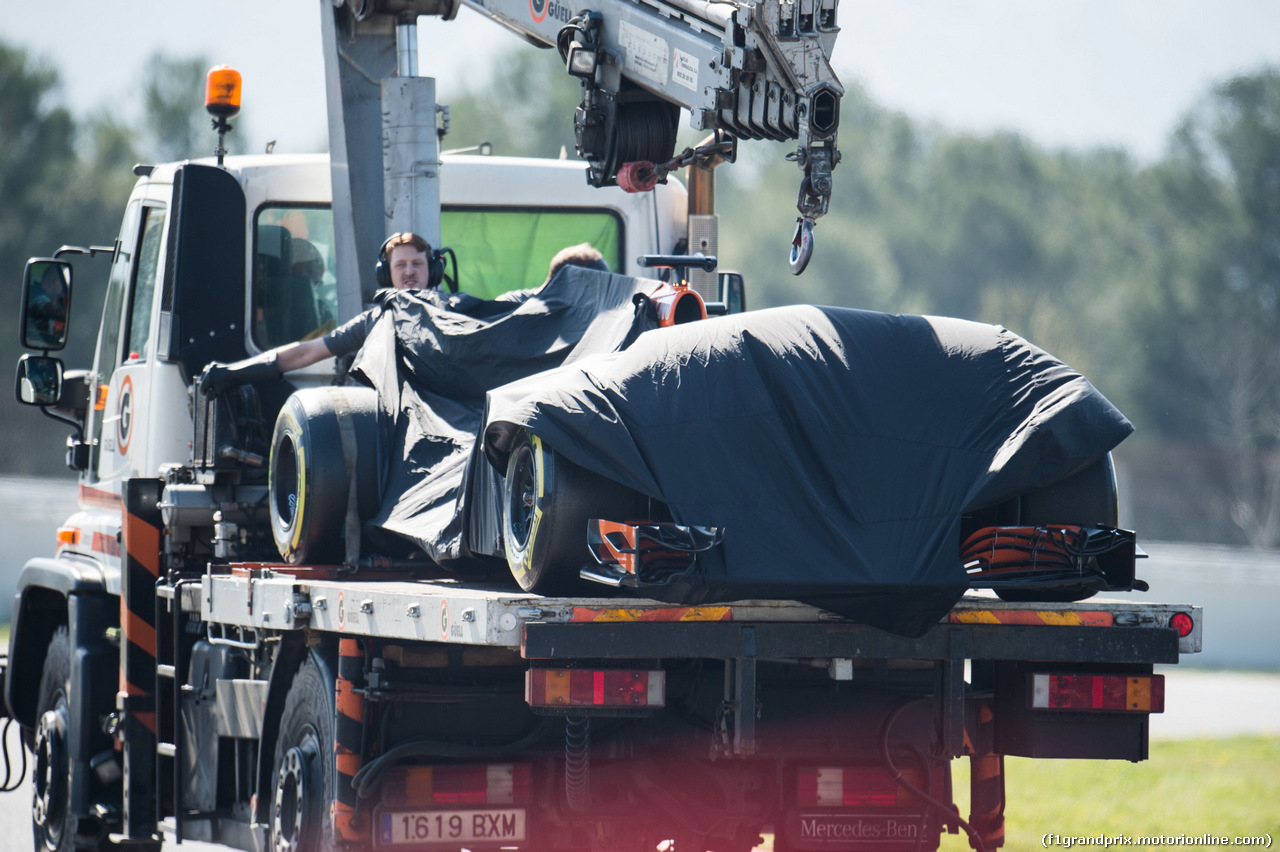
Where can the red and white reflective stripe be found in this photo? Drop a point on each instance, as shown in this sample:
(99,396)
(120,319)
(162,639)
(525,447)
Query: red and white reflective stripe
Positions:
(1118,693)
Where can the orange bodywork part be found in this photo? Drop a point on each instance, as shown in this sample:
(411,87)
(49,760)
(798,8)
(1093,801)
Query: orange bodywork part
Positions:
(621,545)
(677,304)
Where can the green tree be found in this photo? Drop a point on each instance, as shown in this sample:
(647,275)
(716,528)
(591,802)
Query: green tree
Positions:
(63,183)
(37,152)
(1219,287)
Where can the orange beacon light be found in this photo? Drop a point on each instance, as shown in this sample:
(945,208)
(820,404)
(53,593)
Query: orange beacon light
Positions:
(222,91)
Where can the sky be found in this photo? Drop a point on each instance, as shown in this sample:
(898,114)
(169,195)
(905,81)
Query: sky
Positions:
(1071,73)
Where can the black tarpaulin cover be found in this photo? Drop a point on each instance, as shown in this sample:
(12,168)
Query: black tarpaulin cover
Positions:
(837,448)
(432,357)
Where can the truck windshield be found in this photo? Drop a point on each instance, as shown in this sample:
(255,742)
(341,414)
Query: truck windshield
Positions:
(510,249)
(295,294)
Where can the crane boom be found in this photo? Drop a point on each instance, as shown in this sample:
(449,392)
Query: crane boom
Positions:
(746,69)
(752,69)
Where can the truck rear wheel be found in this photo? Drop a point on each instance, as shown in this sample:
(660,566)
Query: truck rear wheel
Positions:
(547,503)
(304,766)
(308,484)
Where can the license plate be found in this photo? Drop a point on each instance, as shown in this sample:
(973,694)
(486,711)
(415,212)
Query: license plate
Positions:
(833,830)
(425,828)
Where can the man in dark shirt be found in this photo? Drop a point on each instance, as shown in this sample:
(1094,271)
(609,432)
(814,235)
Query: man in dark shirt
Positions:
(406,257)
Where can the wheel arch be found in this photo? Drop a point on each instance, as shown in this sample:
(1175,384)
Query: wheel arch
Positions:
(41,606)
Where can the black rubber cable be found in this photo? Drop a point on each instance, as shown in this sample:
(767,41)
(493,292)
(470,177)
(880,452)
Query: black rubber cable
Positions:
(974,839)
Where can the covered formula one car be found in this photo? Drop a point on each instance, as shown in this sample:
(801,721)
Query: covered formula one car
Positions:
(830,455)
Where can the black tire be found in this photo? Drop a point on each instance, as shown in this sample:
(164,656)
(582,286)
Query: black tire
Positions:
(53,826)
(308,485)
(1085,498)
(303,769)
(546,504)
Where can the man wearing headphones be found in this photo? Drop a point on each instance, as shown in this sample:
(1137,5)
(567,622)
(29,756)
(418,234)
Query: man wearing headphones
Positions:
(405,262)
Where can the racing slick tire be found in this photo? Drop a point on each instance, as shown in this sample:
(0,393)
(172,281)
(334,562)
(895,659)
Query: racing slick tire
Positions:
(1085,498)
(545,508)
(308,484)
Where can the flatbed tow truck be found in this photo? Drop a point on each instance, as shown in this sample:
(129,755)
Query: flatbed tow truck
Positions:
(175,680)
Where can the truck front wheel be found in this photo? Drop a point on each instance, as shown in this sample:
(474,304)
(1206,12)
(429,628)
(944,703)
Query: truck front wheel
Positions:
(304,767)
(54,827)
(52,823)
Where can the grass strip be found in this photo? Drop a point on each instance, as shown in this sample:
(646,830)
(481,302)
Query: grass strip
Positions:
(1221,787)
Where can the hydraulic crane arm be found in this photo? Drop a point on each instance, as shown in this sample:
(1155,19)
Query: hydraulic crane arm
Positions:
(747,69)
(752,69)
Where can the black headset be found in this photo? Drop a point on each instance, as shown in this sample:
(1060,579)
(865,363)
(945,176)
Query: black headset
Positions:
(435,266)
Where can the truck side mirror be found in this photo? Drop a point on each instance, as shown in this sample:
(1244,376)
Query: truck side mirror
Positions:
(39,380)
(46,303)
(733,292)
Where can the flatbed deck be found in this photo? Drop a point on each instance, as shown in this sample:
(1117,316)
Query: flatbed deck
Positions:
(491,614)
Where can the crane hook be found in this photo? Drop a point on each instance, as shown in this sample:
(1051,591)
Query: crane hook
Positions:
(802,244)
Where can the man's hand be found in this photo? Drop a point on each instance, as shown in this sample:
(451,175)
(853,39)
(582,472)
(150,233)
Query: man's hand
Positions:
(218,377)
(215,379)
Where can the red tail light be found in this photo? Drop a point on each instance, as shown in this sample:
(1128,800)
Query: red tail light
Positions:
(444,786)
(595,688)
(1119,693)
(1182,623)
(846,786)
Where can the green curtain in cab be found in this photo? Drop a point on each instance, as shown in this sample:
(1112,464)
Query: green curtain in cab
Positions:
(503,250)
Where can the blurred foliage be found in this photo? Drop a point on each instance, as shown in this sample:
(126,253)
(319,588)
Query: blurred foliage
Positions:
(175,125)
(65,181)
(1160,281)
(524,110)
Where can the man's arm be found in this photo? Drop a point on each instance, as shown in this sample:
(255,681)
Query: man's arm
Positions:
(274,363)
(304,353)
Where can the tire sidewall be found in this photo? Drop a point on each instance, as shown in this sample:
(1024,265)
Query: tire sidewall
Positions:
(308,711)
(526,559)
(290,533)
(55,680)
(565,497)
(308,484)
